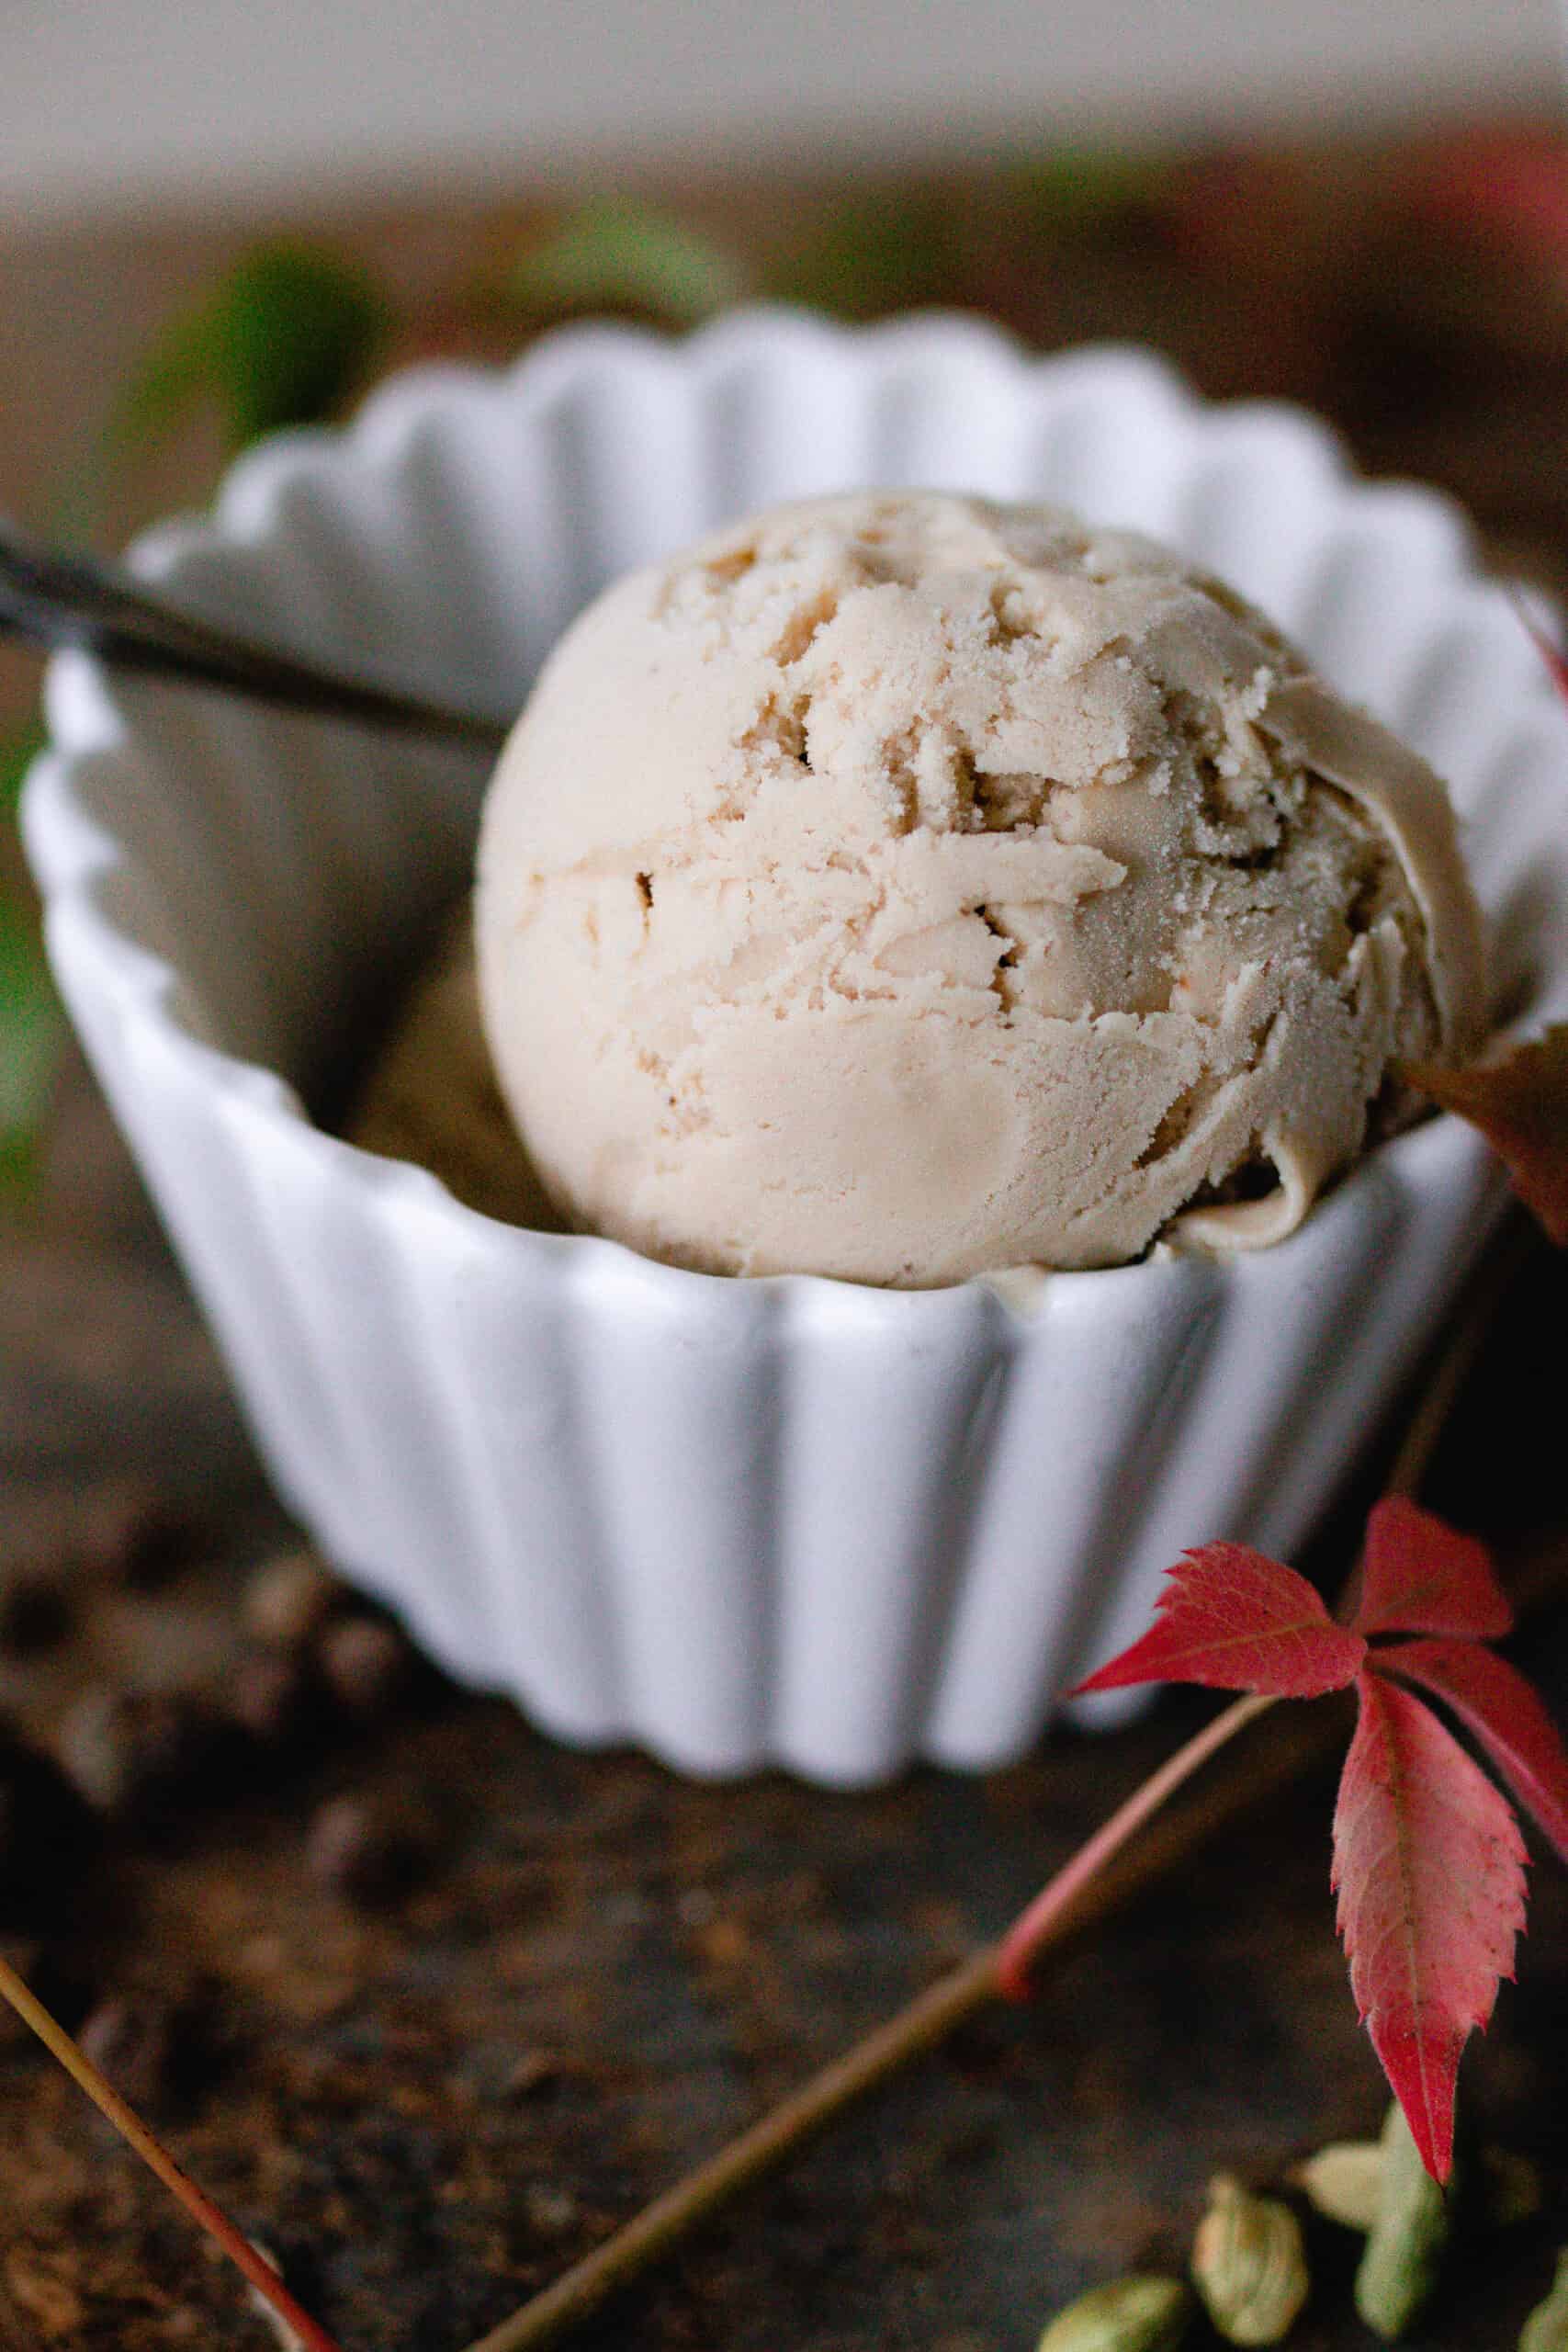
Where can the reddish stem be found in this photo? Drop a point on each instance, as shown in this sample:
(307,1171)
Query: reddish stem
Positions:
(129,2124)
(1033,1925)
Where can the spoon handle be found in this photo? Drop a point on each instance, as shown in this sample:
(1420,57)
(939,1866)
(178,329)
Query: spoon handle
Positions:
(61,601)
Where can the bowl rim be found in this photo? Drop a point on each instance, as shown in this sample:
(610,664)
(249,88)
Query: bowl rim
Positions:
(77,860)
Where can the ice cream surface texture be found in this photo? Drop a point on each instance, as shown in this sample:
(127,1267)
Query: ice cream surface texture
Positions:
(903,887)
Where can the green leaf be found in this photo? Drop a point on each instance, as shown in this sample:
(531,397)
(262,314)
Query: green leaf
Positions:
(17,753)
(1089,188)
(30,1033)
(883,250)
(623,257)
(283,339)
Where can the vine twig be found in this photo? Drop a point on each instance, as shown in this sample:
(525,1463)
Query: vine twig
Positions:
(260,2273)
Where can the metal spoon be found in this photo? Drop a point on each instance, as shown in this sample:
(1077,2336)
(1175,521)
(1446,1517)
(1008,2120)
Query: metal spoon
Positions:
(57,600)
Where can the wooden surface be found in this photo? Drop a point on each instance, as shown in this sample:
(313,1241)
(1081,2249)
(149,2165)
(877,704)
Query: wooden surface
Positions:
(426,2108)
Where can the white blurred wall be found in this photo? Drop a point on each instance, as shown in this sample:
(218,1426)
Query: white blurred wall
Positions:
(149,104)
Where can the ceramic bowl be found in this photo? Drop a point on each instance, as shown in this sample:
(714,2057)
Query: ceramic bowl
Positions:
(789,1521)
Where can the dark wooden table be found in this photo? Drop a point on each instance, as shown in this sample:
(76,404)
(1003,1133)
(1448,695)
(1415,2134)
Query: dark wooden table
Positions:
(426,2108)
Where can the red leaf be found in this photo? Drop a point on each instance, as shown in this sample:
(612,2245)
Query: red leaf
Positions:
(1429,1868)
(1521,1104)
(1237,1621)
(1502,1709)
(1505,185)
(1420,1575)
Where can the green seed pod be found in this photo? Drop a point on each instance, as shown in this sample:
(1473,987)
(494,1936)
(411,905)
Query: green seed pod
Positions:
(1546,2330)
(1404,2250)
(1510,2189)
(1142,2313)
(1344,2182)
(1249,2265)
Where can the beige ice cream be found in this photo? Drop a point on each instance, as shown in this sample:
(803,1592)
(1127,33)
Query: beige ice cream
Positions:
(902,887)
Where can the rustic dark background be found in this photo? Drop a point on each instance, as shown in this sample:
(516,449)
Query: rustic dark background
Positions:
(590,1973)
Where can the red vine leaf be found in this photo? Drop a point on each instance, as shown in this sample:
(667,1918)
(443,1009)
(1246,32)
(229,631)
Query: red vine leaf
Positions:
(1236,1620)
(1503,186)
(1493,1700)
(1429,1865)
(1521,1104)
(1420,1575)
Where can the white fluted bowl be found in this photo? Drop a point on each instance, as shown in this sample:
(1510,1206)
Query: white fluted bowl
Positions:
(784,1521)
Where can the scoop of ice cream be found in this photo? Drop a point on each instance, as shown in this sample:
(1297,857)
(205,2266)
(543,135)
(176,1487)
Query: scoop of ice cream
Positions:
(903,887)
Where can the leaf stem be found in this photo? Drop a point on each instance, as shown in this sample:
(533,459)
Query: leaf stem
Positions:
(1456,1360)
(262,2277)
(1035,1925)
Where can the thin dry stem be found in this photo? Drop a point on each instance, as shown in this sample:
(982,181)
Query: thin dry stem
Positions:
(672,2218)
(928,2019)
(1035,1927)
(129,2124)
(1439,1392)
